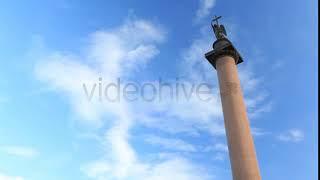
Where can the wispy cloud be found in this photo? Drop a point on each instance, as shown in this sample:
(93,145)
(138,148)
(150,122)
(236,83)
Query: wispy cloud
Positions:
(170,143)
(9,177)
(292,135)
(119,53)
(218,150)
(204,9)
(219,147)
(257,132)
(173,168)
(112,54)
(256,97)
(20,151)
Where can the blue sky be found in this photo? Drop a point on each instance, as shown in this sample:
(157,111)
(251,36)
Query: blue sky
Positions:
(49,130)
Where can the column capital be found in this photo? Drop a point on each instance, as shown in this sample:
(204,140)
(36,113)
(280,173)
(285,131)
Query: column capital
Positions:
(223,47)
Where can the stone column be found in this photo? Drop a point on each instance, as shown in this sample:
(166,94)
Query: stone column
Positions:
(240,142)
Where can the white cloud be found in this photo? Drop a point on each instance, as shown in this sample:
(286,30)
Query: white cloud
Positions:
(119,53)
(292,135)
(219,147)
(170,143)
(204,9)
(174,168)
(20,151)
(177,117)
(8,177)
(197,69)
(219,156)
(257,132)
(96,169)
(189,116)
(111,54)
(219,151)
(177,169)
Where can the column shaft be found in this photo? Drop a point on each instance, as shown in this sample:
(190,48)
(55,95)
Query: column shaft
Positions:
(240,142)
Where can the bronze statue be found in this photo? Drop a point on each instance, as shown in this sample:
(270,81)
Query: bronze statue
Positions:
(218,29)
(222,46)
